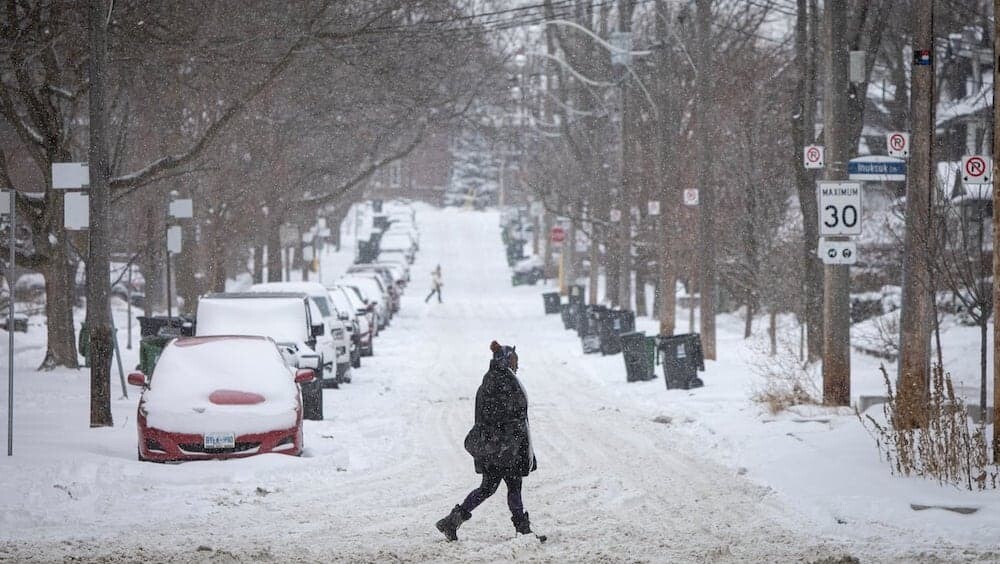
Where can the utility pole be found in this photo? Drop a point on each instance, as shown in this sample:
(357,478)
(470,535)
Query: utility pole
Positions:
(996,241)
(98,263)
(621,62)
(706,215)
(836,278)
(915,320)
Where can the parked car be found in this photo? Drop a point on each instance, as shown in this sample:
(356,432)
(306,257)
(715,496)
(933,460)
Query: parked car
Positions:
(347,312)
(337,331)
(287,318)
(385,278)
(372,293)
(367,322)
(220,397)
(399,242)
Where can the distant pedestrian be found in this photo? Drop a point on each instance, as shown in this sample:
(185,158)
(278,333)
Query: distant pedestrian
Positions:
(499,442)
(436,284)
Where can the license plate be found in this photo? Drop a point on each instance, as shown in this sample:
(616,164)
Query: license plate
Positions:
(220,440)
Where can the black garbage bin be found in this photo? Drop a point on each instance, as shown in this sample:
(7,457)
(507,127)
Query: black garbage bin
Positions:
(613,326)
(638,362)
(551,300)
(157,324)
(682,358)
(568,315)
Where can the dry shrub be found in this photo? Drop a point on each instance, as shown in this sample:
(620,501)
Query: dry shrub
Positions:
(786,381)
(947,447)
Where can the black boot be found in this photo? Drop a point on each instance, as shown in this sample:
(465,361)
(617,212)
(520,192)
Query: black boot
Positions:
(450,524)
(521,523)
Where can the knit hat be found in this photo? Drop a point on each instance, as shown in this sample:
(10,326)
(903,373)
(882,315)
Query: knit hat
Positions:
(501,354)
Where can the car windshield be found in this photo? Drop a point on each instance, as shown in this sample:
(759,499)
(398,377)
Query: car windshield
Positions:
(341,302)
(323,304)
(282,319)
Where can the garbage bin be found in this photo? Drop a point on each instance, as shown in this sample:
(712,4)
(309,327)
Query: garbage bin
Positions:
(613,325)
(638,363)
(682,358)
(83,345)
(157,324)
(150,349)
(551,300)
(589,328)
(651,359)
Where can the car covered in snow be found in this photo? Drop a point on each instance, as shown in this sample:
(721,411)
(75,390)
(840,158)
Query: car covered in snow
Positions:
(373,295)
(365,315)
(337,333)
(219,397)
(287,318)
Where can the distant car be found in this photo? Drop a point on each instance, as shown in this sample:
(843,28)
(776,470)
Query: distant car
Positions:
(219,397)
(367,322)
(372,293)
(347,312)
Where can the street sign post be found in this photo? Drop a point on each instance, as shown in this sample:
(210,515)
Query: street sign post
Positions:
(837,252)
(839,208)
(690,196)
(616,215)
(11,214)
(181,209)
(557,234)
(653,207)
(897,144)
(174,239)
(813,156)
(977,170)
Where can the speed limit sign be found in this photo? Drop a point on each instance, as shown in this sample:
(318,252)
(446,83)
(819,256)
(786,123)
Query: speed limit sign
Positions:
(839,208)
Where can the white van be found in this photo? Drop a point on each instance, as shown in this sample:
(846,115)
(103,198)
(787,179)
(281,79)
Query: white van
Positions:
(337,332)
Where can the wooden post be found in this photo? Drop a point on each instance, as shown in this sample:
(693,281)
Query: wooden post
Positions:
(706,211)
(836,278)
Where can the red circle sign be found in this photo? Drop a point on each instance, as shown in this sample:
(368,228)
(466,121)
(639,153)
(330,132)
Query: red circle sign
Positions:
(557,235)
(897,142)
(975,166)
(812,155)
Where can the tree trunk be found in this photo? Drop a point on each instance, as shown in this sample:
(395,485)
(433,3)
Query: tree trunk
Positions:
(748,322)
(996,243)
(153,258)
(274,266)
(772,330)
(60,285)
(595,266)
(640,287)
(258,263)
(803,126)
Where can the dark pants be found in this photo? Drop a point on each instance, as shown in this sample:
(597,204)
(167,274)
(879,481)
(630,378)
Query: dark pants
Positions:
(433,291)
(489,487)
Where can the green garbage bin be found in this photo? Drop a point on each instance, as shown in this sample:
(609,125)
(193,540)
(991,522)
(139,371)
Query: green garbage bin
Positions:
(651,357)
(83,346)
(150,349)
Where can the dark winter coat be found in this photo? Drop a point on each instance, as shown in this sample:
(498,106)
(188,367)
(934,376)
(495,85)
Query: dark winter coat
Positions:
(500,441)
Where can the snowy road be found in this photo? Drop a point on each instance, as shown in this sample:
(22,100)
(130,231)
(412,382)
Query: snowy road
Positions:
(612,485)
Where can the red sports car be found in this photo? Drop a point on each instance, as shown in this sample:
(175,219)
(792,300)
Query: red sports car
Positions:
(219,397)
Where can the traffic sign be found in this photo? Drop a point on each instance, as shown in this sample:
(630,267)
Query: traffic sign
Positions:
(181,209)
(174,239)
(977,170)
(898,144)
(76,211)
(616,215)
(877,168)
(5,201)
(557,234)
(837,252)
(288,235)
(70,175)
(839,207)
(690,196)
(812,156)
(654,207)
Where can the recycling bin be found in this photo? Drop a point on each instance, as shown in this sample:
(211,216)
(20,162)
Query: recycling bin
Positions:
(551,300)
(150,349)
(83,345)
(161,324)
(638,362)
(682,358)
(613,325)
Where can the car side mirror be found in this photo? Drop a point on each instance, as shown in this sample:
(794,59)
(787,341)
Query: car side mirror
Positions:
(137,379)
(344,317)
(318,330)
(304,375)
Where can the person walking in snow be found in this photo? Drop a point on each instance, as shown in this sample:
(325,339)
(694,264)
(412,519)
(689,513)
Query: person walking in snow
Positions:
(436,284)
(499,442)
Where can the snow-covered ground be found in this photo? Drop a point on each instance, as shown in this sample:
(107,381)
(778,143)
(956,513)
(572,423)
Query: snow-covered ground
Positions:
(627,471)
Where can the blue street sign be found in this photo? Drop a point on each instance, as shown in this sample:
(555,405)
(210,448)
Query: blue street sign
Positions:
(877,169)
